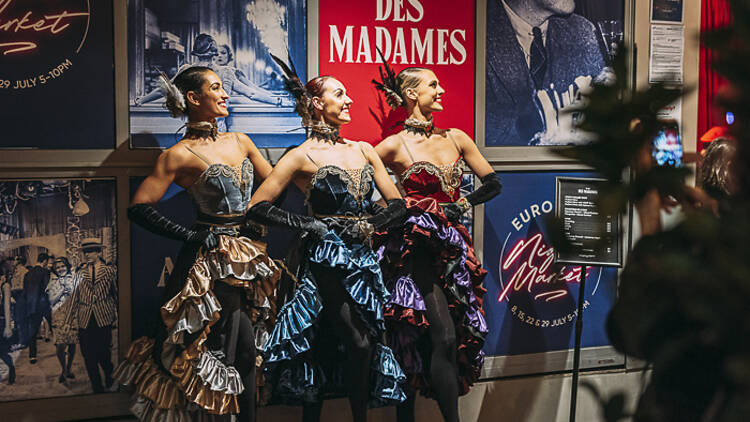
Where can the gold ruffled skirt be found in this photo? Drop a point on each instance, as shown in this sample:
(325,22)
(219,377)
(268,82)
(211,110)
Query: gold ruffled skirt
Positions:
(196,384)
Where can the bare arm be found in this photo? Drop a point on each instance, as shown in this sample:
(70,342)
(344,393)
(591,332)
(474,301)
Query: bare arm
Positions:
(382,179)
(261,167)
(156,184)
(286,171)
(387,151)
(476,161)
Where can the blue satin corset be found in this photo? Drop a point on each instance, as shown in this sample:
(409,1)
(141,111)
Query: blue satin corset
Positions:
(338,191)
(223,189)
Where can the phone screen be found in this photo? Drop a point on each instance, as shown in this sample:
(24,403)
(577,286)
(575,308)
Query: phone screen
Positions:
(668,146)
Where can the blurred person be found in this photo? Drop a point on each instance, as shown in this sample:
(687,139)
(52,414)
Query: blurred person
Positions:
(717,172)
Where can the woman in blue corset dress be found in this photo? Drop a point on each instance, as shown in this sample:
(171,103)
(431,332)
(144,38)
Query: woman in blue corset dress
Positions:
(435,319)
(218,307)
(328,337)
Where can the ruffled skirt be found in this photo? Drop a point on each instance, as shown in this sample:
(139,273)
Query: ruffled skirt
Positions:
(428,231)
(305,358)
(181,374)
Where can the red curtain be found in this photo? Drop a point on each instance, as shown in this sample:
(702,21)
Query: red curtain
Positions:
(714,14)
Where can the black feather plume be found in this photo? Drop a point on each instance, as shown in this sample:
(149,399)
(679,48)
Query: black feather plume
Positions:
(388,83)
(294,85)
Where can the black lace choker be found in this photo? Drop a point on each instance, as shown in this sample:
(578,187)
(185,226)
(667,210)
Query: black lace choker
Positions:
(202,129)
(420,127)
(324,131)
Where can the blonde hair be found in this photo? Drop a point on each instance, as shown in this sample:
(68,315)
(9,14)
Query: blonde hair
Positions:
(393,85)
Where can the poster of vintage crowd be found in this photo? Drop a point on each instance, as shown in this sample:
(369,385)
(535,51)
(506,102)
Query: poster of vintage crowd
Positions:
(58,285)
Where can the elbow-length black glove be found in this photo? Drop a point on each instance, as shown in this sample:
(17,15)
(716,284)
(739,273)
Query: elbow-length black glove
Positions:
(149,218)
(392,215)
(389,216)
(491,187)
(267,213)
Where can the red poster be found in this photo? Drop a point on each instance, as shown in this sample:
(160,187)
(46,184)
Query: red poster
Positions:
(436,34)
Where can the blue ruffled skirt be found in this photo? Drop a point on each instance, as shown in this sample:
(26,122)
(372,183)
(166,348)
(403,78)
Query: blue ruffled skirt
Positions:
(301,371)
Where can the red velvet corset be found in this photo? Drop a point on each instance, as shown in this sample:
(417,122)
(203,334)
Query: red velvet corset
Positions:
(423,179)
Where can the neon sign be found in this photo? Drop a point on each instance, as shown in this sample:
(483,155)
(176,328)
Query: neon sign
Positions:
(536,269)
(53,23)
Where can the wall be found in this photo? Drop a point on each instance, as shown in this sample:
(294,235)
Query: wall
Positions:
(534,398)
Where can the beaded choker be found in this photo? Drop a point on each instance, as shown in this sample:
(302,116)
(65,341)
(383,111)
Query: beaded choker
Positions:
(202,129)
(324,131)
(417,126)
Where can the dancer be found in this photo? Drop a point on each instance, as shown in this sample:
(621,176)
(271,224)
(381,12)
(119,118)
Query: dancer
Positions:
(59,291)
(9,336)
(94,309)
(219,299)
(327,338)
(35,301)
(435,320)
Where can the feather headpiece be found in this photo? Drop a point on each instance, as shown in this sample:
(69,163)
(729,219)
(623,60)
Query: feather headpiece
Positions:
(296,87)
(388,84)
(175,101)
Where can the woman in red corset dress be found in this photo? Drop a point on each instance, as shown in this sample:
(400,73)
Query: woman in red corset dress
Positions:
(435,319)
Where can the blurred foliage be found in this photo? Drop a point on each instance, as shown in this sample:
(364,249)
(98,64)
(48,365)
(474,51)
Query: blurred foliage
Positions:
(684,300)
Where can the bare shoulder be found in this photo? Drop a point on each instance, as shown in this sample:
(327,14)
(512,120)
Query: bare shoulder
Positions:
(243,138)
(175,156)
(459,135)
(294,156)
(462,139)
(390,143)
(365,146)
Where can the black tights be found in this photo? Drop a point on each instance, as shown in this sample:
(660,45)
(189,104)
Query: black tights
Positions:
(238,337)
(443,368)
(245,364)
(338,309)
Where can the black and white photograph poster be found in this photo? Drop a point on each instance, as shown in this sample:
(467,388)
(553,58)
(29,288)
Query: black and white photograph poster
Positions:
(235,38)
(58,285)
(541,56)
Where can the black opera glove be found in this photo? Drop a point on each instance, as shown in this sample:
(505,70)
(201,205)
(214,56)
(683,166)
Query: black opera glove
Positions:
(383,218)
(392,215)
(266,213)
(149,218)
(491,187)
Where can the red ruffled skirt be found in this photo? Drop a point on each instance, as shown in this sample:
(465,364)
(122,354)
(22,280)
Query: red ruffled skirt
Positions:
(428,232)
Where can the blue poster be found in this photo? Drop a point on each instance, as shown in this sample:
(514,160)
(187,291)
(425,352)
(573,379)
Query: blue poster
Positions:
(234,38)
(57,74)
(531,303)
(541,56)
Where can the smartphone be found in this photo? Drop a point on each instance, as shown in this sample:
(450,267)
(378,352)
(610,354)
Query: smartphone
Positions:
(667,149)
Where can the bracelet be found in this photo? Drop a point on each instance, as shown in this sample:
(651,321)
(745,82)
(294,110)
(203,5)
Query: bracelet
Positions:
(367,229)
(464,203)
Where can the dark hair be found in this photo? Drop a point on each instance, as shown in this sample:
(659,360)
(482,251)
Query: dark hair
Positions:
(190,79)
(230,55)
(717,169)
(204,46)
(43,257)
(314,88)
(21,259)
(65,262)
